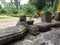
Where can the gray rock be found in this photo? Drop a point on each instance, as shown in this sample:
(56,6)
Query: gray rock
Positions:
(46,17)
(22,20)
(21,23)
(30,22)
(33,29)
(48,38)
(55,24)
(43,27)
(53,36)
(12,33)
(57,17)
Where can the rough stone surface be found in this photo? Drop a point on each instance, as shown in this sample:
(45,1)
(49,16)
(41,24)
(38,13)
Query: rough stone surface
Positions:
(53,36)
(14,32)
(30,22)
(55,24)
(57,17)
(46,17)
(43,27)
(33,29)
(48,38)
(21,23)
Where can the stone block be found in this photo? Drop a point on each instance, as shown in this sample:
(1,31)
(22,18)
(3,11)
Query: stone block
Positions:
(46,17)
(44,27)
(30,22)
(33,29)
(55,24)
(12,33)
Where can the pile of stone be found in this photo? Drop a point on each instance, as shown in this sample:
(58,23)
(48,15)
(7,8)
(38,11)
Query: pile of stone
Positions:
(24,27)
(12,33)
(48,38)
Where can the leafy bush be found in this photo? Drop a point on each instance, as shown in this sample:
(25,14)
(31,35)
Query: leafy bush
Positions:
(15,15)
(3,11)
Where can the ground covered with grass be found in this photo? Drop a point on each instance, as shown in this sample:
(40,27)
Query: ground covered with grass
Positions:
(5,16)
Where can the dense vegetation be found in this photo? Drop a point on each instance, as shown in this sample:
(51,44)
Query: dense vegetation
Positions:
(50,5)
(30,9)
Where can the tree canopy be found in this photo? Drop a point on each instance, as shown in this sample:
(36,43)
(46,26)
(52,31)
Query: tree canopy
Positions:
(47,5)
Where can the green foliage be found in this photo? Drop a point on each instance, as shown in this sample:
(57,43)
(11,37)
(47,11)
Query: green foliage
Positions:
(39,4)
(29,10)
(45,5)
(55,5)
(35,15)
(32,1)
(15,15)
(3,11)
(0,6)
(5,16)
(17,4)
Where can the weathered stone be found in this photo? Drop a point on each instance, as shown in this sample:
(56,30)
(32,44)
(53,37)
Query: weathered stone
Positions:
(57,17)
(53,36)
(37,40)
(46,17)
(33,29)
(12,33)
(22,20)
(55,24)
(53,14)
(43,27)
(21,23)
(48,38)
(30,22)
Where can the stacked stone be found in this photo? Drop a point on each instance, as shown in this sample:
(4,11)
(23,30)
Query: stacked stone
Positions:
(46,17)
(33,30)
(43,27)
(12,33)
(22,20)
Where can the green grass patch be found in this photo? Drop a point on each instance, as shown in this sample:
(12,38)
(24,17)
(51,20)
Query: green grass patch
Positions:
(5,16)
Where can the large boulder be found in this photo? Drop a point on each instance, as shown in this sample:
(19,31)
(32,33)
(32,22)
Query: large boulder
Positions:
(52,36)
(43,27)
(12,33)
(48,38)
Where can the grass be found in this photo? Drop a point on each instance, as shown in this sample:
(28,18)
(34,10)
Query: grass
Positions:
(5,16)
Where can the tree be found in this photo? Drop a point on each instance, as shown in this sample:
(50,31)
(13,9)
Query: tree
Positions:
(0,7)
(55,5)
(29,10)
(17,4)
(39,4)
(45,5)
